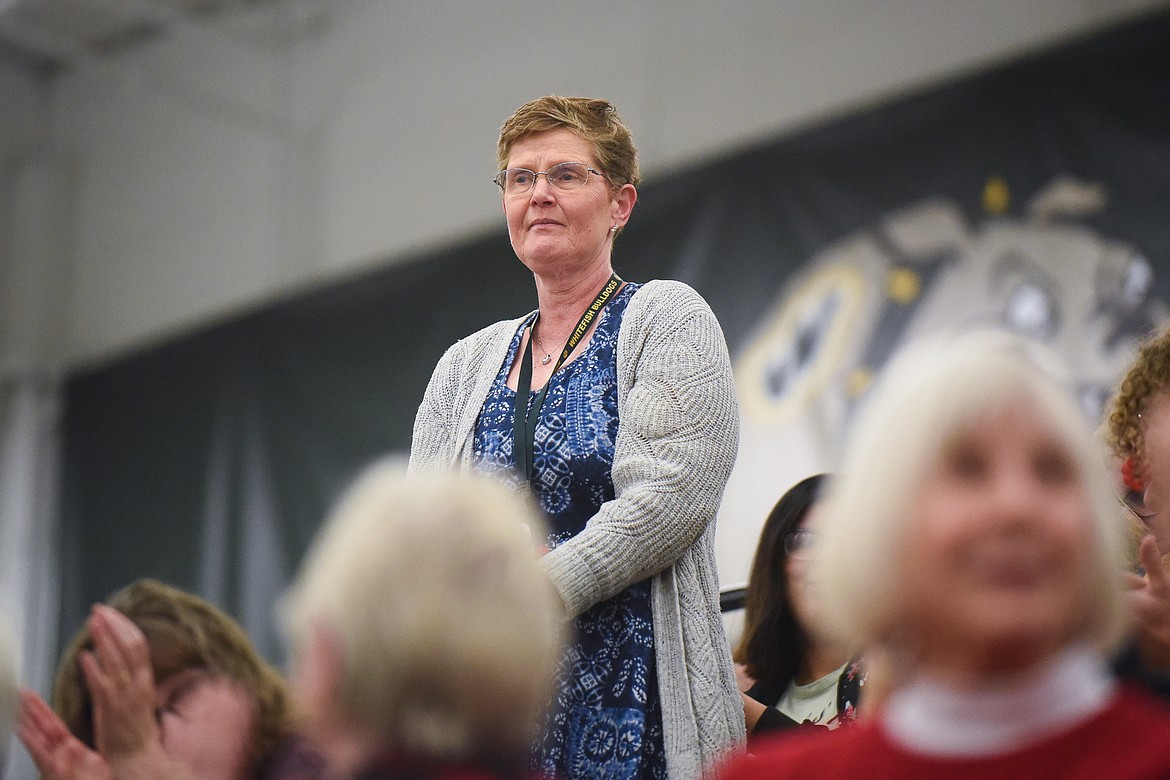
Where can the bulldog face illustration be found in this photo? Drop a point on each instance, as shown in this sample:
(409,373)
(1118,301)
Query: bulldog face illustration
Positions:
(918,271)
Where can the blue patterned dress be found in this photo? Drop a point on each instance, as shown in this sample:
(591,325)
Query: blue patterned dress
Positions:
(605,721)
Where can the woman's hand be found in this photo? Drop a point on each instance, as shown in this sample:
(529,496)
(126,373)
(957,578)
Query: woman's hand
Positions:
(121,683)
(1149,603)
(57,753)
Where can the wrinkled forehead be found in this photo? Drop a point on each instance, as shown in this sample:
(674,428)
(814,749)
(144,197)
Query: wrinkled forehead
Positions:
(559,141)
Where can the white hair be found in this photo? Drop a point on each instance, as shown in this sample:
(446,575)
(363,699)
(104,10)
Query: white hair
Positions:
(448,629)
(930,393)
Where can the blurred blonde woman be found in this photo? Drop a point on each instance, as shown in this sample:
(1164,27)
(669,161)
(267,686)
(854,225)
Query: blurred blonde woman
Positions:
(424,635)
(973,534)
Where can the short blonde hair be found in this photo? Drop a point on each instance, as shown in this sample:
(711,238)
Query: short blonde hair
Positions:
(448,630)
(595,120)
(926,396)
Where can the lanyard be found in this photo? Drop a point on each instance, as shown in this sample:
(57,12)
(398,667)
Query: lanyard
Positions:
(524,422)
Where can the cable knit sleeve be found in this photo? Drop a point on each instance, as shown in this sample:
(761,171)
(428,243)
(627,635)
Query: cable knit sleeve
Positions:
(432,442)
(678,432)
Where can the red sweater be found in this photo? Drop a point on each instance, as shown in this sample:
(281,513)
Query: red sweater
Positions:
(1129,740)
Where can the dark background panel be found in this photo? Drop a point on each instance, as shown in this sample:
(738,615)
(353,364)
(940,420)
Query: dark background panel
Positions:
(314,386)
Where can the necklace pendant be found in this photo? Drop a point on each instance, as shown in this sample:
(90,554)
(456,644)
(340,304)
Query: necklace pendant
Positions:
(544,361)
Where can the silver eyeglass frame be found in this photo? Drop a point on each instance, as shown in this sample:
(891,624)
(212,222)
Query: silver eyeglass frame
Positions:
(500,178)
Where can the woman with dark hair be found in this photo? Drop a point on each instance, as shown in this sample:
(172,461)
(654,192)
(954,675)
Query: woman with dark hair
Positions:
(797,674)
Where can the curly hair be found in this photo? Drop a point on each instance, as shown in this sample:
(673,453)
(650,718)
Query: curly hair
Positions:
(183,632)
(1148,376)
(595,120)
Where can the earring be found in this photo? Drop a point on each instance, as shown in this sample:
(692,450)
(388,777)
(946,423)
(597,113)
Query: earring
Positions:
(613,229)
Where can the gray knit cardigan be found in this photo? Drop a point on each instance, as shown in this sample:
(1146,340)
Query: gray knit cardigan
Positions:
(678,431)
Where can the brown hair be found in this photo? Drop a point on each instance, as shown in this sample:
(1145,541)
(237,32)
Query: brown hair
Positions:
(593,119)
(773,644)
(1148,376)
(183,632)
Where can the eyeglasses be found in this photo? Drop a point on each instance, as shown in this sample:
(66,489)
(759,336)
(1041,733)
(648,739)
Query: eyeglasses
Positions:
(1135,501)
(565,176)
(801,543)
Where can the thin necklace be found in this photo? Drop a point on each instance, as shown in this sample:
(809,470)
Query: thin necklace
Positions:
(544,361)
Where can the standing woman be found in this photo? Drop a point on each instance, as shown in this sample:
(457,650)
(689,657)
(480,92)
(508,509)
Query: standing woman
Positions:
(614,404)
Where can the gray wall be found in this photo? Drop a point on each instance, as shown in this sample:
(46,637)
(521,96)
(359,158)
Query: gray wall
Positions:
(239,160)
